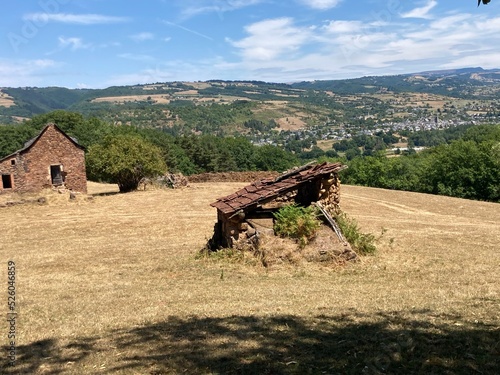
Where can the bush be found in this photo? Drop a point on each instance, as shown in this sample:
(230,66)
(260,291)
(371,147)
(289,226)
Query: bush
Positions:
(360,242)
(300,223)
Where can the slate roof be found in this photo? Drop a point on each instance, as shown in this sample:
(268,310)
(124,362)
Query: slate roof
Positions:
(32,141)
(263,191)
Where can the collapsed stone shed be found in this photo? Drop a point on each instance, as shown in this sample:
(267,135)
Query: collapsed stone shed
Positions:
(50,160)
(242,216)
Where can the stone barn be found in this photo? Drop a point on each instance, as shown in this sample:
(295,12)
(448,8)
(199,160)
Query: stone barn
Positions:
(243,215)
(52,159)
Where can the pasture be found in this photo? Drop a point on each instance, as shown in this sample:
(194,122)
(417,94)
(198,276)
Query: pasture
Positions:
(112,285)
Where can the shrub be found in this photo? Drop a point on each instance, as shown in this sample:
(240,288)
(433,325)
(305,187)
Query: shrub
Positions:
(300,223)
(362,243)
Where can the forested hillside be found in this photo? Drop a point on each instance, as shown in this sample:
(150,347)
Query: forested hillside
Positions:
(467,167)
(215,107)
(465,163)
(186,154)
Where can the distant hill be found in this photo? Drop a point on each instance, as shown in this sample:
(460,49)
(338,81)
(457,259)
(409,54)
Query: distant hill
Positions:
(465,83)
(257,107)
(34,100)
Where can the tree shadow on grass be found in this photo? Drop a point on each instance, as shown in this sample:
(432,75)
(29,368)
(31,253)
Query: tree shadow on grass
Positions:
(388,343)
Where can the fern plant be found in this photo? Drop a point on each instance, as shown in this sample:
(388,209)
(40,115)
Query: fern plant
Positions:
(300,223)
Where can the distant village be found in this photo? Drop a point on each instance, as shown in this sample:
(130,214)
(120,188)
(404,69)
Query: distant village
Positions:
(334,132)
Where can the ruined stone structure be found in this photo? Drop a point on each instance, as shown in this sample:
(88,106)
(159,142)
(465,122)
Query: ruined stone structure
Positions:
(52,159)
(242,215)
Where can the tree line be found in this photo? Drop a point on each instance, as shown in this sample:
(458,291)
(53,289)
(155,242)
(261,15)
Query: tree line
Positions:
(467,167)
(109,146)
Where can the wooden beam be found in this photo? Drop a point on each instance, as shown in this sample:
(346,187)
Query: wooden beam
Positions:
(332,222)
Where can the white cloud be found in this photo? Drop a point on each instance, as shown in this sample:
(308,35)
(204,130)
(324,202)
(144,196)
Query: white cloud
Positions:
(79,19)
(15,73)
(484,60)
(321,4)
(141,37)
(282,49)
(73,43)
(278,49)
(180,70)
(197,7)
(271,38)
(421,12)
(344,27)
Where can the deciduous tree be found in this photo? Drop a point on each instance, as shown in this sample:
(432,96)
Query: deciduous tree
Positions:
(124,159)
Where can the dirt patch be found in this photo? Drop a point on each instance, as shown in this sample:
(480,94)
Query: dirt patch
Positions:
(291,123)
(325,249)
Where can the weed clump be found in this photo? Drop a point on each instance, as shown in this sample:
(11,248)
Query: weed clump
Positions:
(226,254)
(362,243)
(299,223)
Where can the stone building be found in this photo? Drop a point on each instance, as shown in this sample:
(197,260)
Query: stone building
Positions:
(246,213)
(52,159)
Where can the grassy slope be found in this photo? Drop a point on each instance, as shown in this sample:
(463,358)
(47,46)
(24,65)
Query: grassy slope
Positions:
(112,286)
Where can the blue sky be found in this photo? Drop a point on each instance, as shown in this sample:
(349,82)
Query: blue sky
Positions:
(100,43)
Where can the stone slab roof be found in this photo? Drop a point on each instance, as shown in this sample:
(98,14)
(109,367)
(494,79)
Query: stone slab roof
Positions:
(31,142)
(260,192)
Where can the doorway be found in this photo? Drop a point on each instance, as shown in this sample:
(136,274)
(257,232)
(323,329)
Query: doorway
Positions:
(56,175)
(7,181)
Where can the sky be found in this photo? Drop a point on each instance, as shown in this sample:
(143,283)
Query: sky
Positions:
(102,43)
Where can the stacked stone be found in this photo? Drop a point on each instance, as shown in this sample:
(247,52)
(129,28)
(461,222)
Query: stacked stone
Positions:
(287,198)
(239,232)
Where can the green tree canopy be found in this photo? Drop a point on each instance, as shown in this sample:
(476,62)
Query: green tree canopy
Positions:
(124,159)
(272,158)
(465,169)
(87,131)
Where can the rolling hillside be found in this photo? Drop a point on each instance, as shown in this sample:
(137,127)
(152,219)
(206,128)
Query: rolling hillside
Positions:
(209,107)
(113,285)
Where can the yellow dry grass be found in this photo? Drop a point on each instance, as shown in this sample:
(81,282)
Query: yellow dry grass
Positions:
(291,123)
(157,98)
(6,100)
(325,145)
(111,285)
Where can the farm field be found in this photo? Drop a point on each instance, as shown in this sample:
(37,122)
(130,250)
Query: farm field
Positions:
(6,100)
(112,285)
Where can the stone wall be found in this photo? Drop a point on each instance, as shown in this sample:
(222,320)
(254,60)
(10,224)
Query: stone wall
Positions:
(235,231)
(30,168)
(329,194)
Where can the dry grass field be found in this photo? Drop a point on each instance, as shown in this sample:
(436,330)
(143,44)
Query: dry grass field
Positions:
(6,100)
(158,98)
(112,285)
